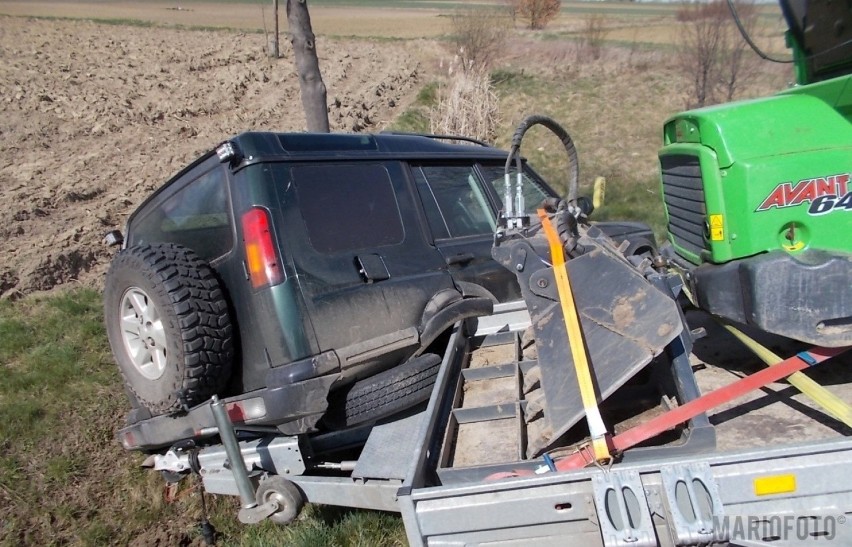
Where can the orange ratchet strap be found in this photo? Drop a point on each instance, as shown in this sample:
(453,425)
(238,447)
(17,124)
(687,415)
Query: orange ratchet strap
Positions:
(601,439)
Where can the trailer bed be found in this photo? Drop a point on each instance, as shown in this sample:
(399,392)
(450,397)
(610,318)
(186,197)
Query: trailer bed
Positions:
(771,471)
(773,434)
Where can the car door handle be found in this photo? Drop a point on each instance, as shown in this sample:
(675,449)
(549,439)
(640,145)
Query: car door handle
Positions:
(460,258)
(372,268)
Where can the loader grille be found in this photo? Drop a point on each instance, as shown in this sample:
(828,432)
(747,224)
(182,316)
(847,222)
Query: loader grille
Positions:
(683,190)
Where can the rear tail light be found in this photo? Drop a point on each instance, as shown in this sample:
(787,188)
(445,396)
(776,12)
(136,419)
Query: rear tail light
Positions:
(262,263)
(248,409)
(128,439)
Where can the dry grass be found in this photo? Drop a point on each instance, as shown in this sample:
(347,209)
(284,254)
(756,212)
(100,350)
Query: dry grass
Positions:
(614,108)
(466,105)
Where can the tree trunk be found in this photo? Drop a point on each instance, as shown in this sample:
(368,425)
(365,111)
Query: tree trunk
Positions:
(276,49)
(307,65)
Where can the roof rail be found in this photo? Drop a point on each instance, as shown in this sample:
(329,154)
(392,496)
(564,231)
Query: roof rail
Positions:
(438,137)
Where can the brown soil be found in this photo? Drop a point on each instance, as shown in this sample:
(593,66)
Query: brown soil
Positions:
(94,117)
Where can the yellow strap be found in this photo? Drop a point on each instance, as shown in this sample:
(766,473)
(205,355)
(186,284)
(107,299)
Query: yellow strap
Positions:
(827,400)
(597,429)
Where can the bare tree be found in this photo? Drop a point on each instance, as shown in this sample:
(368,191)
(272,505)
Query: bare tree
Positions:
(479,37)
(592,37)
(307,65)
(737,60)
(714,56)
(702,41)
(537,13)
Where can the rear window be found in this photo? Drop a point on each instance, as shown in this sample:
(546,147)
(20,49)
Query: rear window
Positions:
(346,207)
(197,216)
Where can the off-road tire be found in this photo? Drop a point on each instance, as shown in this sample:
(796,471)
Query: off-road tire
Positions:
(389,392)
(194,320)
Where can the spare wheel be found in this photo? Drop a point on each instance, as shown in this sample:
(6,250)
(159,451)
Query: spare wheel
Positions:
(168,325)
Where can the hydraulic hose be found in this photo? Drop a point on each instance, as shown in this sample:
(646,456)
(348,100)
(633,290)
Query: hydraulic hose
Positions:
(564,137)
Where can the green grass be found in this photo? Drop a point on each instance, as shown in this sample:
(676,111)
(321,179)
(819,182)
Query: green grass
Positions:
(411,121)
(330,526)
(428,95)
(65,479)
(415,119)
(632,201)
(511,80)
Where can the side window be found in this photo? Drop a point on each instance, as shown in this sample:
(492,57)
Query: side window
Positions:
(196,216)
(534,194)
(347,207)
(454,201)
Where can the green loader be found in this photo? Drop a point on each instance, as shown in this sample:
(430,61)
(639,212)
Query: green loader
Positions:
(758,193)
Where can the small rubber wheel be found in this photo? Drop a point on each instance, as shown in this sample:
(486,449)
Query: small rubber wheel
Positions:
(168,325)
(289,498)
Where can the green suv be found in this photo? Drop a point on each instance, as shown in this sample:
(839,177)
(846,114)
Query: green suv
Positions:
(309,280)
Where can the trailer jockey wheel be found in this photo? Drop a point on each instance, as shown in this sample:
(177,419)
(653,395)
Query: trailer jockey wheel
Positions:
(285,493)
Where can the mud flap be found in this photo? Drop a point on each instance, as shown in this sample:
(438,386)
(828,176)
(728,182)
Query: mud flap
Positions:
(626,323)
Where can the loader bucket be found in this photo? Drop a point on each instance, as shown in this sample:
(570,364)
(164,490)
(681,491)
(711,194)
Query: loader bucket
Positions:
(625,320)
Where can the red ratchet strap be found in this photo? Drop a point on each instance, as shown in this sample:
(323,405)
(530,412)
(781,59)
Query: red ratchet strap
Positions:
(584,456)
(678,415)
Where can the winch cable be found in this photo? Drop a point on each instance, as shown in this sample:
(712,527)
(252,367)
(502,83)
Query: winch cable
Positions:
(600,437)
(831,403)
(706,402)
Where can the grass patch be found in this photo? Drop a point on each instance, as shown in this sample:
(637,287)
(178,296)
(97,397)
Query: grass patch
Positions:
(61,401)
(509,80)
(411,121)
(633,201)
(333,526)
(115,21)
(62,470)
(428,95)
(416,118)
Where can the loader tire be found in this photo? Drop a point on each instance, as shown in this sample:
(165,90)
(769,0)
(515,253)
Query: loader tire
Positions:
(168,326)
(390,392)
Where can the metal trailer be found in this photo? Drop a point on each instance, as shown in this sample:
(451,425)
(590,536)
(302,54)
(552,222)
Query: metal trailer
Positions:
(435,467)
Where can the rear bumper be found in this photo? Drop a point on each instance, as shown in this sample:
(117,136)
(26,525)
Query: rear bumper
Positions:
(806,297)
(288,408)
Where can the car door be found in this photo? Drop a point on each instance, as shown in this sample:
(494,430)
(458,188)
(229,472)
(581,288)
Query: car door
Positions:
(462,218)
(365,267)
